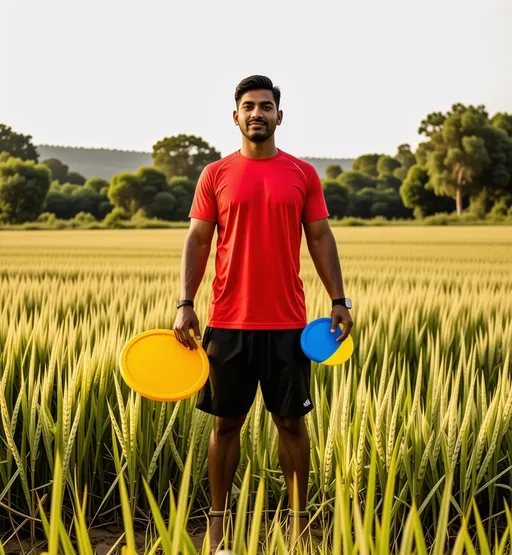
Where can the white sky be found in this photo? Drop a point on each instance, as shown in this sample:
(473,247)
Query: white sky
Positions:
(356,76)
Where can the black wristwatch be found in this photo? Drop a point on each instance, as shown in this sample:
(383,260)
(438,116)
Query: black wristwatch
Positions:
(343,301)
(185,302)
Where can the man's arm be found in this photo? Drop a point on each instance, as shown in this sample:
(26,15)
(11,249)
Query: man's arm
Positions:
(196,251)
(323,250)
(324,253)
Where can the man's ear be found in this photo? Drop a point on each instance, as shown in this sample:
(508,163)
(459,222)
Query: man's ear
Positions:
(279,117)
(235,117)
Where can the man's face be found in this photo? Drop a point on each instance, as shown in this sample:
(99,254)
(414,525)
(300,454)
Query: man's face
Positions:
(257,115)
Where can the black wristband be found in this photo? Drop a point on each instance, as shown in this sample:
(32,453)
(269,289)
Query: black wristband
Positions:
(185,302)
(343,301)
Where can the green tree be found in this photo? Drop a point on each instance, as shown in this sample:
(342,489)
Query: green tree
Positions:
(76,178)
(355,181)
(370,202)
(367,164)
(133,191)
(480,204)
(125,192)
(69,188)
(466,153)
(115,218)
(89,201)
(183,190)
(497,176)
(502,120)
(58,170)
(183,155)
(59,204)
(387,165)
(455,169)
(333,171)
(389,205)
(24,185)
(387,182)
(162,207)
(400,173)
(17,144)
(417,193)
(423,151)
(413,192)
(97,184)
(405,156)
(77,199)
(189,185)
(432,124)
(336,197)
(153,181)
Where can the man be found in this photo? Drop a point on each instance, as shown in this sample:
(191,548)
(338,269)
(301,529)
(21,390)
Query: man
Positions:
(259,198)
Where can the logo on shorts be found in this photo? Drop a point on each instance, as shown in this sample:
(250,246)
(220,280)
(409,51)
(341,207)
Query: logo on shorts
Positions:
(307,402)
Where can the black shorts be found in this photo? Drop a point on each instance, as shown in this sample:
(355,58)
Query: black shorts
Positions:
(240,359)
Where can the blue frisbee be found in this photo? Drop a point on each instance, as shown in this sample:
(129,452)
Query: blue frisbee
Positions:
(320,345)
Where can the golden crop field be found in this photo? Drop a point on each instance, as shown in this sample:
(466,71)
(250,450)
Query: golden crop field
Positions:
(411,438)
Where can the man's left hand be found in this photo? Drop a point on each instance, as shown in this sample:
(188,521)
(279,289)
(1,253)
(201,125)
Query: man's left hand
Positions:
(340,314)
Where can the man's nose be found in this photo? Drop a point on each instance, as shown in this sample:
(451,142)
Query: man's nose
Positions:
(257,112)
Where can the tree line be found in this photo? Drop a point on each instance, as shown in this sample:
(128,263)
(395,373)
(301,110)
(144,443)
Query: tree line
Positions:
(463,163)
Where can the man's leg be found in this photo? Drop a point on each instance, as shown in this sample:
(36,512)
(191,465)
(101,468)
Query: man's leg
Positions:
(285,384)
(294,454)
(227,395)
(223,460)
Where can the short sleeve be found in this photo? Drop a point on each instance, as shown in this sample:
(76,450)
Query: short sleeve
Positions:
(204,204)
(315,207)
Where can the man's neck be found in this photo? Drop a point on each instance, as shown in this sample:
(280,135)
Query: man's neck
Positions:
(267,149)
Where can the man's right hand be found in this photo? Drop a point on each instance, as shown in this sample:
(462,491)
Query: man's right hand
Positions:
(186,320)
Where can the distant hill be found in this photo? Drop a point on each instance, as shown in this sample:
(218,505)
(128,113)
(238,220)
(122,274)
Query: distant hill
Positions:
(103,162)
(321,164)
(96,162)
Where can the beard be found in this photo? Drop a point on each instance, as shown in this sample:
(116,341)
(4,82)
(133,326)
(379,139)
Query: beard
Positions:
(258,135)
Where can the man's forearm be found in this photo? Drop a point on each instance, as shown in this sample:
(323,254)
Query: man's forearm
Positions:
(324,253)
(193,266)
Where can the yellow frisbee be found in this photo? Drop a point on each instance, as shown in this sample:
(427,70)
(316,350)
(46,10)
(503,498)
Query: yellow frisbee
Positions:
(157,366)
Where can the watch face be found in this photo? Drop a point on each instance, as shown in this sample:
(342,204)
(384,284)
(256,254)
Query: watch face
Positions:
(348,303)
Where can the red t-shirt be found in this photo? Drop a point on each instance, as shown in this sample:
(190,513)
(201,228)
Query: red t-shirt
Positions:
(259,206)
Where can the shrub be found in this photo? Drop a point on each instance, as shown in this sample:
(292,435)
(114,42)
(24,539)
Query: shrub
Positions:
(116,219)
(84,217)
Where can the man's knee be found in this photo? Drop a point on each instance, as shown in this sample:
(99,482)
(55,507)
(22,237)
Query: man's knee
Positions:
(223,426)
(293,426)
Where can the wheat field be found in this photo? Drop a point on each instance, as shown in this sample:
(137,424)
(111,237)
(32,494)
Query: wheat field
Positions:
(411,439)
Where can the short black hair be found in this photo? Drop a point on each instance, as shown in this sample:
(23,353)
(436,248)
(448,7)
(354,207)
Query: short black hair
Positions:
(255,82)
